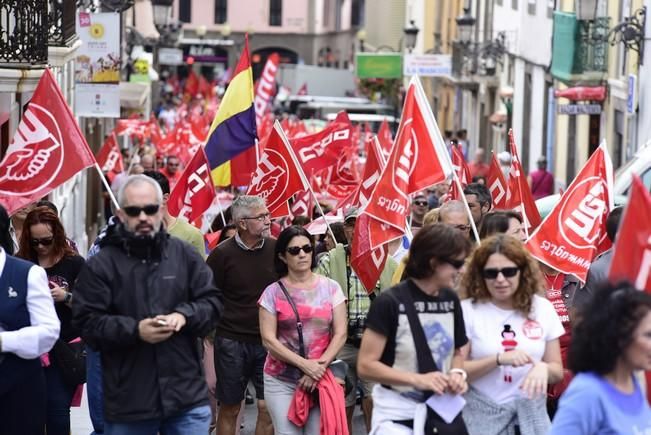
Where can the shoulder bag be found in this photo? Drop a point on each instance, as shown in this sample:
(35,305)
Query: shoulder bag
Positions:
(339,368)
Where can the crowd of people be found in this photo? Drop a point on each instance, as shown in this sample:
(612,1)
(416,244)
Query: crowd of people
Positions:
(454,337)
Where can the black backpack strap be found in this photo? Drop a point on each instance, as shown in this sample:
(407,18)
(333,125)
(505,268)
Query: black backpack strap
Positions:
(424,357)
(299,324)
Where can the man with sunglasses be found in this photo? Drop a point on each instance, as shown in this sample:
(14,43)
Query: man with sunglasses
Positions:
(419,207)
(243,267)
(143,301)
(172,170)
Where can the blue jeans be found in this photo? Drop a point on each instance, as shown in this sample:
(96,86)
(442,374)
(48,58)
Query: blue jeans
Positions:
(58,396)
(94,390)
(195,421)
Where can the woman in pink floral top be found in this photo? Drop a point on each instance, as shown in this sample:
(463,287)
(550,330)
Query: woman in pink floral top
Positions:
(320,304)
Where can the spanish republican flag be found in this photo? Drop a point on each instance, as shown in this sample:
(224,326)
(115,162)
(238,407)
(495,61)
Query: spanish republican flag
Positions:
(233,130)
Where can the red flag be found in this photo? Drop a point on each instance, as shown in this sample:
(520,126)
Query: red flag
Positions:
(194,192)
(497,184)
(191,86)
(303,204)
(461,169)
(519,196)
(568,238)
(48,148)
(303,89)
(386,141)
(344,173)
(367,263)
(130,127)
(632,251)
(278,175)
(154,131)
(109,157)
(419,159)
(265,88)
(375,164)
(321,150)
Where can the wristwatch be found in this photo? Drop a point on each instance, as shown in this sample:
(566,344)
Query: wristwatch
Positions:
(67,298)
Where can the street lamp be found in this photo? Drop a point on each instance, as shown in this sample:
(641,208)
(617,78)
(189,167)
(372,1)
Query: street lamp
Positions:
(411,33)
(201,31)
(225,30)
(465,23)
(630,32)
(361,37)
(162,12)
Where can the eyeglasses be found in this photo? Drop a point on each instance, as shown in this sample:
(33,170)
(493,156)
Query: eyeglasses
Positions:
(260,218)
(134,211)
(463,228)
(46,241)
(457,264)
(421,203)
(295,250)
(507,272)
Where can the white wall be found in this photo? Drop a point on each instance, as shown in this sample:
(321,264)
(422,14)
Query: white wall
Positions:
(644,93)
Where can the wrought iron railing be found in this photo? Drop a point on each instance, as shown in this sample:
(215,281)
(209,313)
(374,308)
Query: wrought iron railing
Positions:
(23,32)
(592,50)
(61,20)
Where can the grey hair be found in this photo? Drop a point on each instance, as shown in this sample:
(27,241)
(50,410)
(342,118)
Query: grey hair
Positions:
(137,180)
(244,203)
(454,206)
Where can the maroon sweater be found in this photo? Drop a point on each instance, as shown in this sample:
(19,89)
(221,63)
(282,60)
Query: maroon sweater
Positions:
(242,276)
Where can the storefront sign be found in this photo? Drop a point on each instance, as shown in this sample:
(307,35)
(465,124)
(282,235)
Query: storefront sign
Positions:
(428,65)
(378,65)
(170,56)
(579,109)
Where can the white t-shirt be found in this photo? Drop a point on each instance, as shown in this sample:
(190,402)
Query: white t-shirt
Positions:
(491,330)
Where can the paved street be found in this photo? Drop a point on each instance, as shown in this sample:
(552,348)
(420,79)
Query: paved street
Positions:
(80,420)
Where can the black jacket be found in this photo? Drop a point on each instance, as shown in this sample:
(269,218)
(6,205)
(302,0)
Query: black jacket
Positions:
(132,278)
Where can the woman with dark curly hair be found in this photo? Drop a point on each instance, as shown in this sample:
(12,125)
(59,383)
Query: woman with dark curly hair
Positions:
(610,341)
(513,333)
(43,241)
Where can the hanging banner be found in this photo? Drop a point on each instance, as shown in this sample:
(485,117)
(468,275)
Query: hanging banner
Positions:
(97,65)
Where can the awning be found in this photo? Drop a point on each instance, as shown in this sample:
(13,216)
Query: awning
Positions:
(134,95)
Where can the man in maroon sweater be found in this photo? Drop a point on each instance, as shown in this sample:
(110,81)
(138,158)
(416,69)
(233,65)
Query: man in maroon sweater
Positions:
(243,267)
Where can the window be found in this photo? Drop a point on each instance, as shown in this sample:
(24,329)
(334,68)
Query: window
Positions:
(221,11)
(499,2)
(550,8)
(357,13)
(185,11)
(531,7)
(514,4)
(276,12)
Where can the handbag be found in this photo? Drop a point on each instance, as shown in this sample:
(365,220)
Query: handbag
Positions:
(71,359)
(338,367)
(434,423)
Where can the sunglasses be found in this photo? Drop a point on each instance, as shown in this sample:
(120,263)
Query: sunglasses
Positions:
(421,203)
(295,250)
(134,211)
(457,264)
(507,272)
(47,241)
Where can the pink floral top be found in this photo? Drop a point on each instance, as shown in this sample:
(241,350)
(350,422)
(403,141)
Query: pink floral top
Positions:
(315,307)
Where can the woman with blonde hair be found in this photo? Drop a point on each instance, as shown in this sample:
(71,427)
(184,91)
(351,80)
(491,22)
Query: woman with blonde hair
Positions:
(513,334)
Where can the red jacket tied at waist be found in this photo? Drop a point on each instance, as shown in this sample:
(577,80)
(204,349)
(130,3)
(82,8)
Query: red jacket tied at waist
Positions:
(332,405)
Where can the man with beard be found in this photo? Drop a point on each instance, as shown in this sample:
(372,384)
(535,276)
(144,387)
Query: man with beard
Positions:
(243,266)
(143,301)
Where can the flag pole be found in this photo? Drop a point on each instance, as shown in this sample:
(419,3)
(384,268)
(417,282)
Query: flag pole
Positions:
(303,177)
(106,185)
(455,180)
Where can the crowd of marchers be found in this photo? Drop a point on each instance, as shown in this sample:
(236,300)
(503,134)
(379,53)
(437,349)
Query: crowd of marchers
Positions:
(454,338)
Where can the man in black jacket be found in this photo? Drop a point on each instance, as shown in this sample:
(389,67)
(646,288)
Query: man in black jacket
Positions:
(143,301)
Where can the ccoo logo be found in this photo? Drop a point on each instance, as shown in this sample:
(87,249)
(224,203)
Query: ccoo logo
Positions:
(35,156)
(270,179)
(581,216)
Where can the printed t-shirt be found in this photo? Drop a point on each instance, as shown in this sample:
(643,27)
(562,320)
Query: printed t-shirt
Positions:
(440,317)
(315,307)
(492,330)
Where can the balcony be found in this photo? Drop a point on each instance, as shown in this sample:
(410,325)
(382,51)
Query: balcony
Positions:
(61,22)
(579,49)
(23,33)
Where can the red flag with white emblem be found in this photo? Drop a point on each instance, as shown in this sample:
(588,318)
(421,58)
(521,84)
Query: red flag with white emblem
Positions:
(194,192)
(321,150)
(266,87)
(569,237)
(497,184)
(519,197)
(367,263)
(463,172)
(375,164)
(303,204)
(278,176)
(48,148)
(109,157)
(386,141)
(419,159)
(632,251)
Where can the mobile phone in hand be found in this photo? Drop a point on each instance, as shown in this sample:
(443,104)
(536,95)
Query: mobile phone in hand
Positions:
(161,322)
